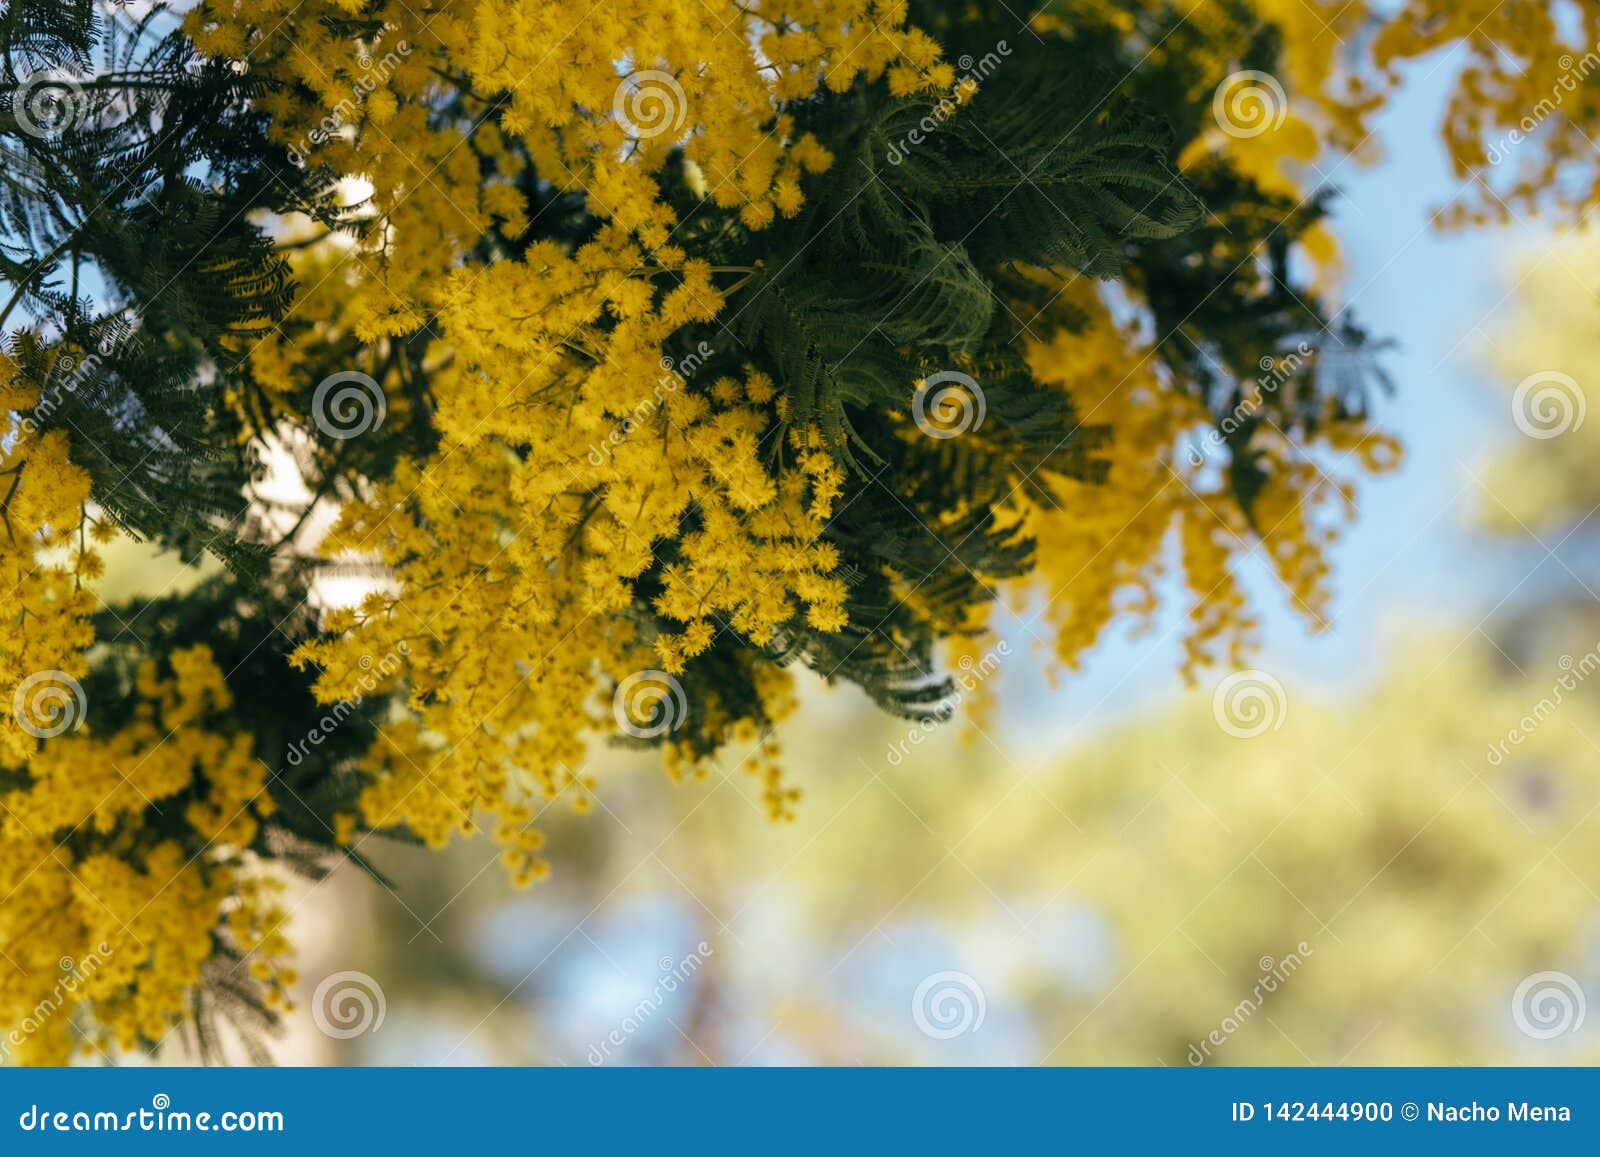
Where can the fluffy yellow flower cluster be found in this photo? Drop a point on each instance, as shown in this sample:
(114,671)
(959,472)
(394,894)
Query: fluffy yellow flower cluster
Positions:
(107,928)
(597,97)
(574,453)
(1522,114)
(1518,121)
(1102,550)
(45,559)
(571,454)
(506,613)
